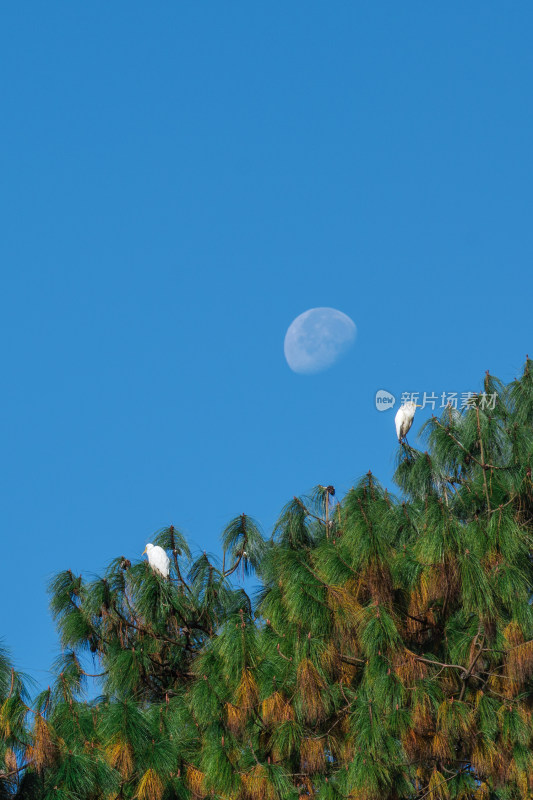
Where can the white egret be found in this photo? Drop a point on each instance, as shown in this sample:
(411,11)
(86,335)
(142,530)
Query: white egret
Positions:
(158,559)
(404,419)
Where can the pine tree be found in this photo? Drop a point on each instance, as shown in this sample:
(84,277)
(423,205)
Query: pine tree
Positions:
(14,734)
(389,653)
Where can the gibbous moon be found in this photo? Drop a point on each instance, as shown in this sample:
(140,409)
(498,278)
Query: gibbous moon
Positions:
(317,339)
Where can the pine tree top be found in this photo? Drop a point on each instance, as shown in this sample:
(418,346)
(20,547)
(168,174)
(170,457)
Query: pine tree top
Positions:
(388,653)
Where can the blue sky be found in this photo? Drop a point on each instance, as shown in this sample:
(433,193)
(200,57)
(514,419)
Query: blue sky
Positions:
(179,182)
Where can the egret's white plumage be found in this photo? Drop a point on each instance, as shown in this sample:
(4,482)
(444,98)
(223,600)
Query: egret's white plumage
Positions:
(158,559)
(404,419)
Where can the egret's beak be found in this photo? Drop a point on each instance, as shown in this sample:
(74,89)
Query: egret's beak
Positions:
(419,406)
(144,551)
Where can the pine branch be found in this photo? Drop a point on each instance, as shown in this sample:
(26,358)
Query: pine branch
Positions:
(446,780)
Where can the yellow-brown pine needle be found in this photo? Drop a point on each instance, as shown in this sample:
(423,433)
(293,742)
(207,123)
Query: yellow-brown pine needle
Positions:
(519,665)
(43,750)
(257,786)
(438,788)
(347,674)
(5,723)
(331,660)
(195,781)
(236,718)
(311,691)
(345,750)
(345,607)
(415,747)
(487,759)
(150,786)
(379,583)
(120,756)
(513,634)
(441,746)
(247,694)
(422,716)
(10,760)
(520,777)
(276,709)
(409,669)
(482,792)
(312,758)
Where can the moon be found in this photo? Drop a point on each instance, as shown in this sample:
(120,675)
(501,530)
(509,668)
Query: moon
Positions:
(317,339)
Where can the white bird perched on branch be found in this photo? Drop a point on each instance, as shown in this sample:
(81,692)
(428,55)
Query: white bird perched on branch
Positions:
(404,419)
(158,559)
